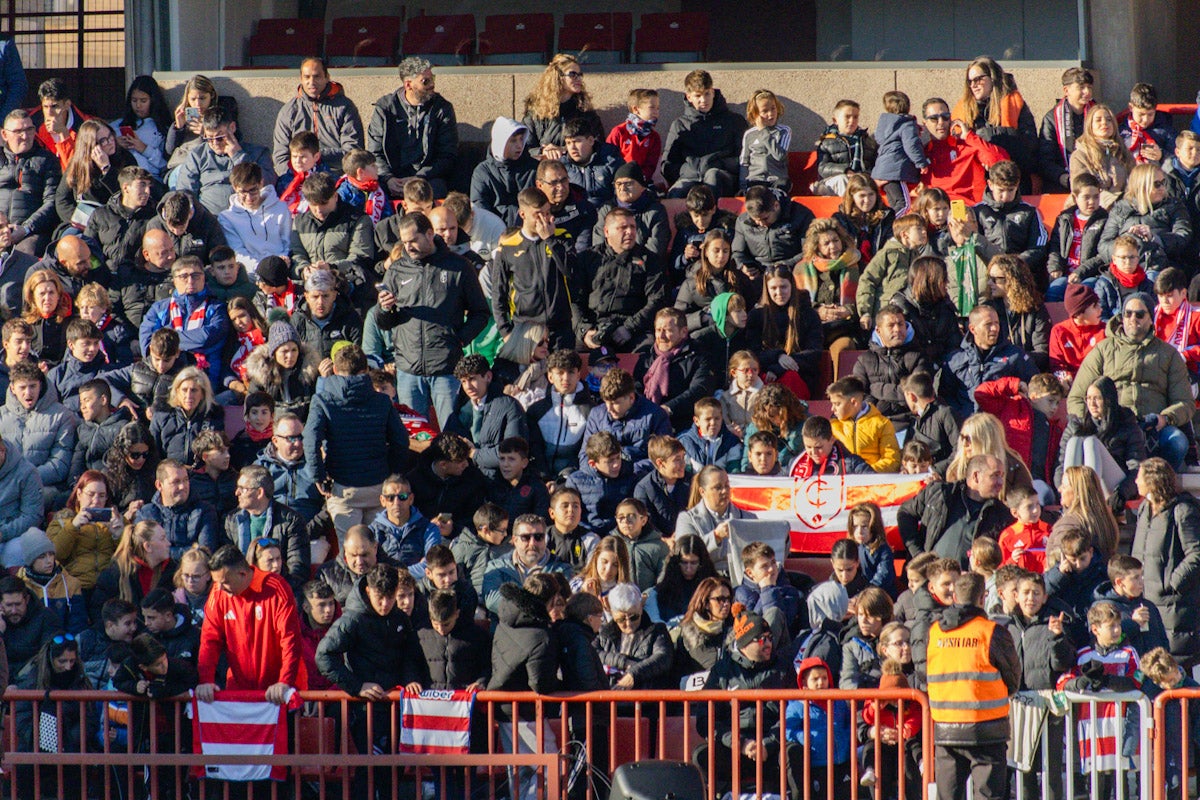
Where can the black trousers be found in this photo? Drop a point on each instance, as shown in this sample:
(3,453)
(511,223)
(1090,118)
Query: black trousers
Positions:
(985,764)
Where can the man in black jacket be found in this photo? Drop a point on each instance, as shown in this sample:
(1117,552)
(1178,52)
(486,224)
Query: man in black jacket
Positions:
(704,142)
(619,286)
(946,517)
(573,213)
(333,236)
(484,414)
(432,304)
(893,356)
(413,132)
(29,176)
(193,229)
(145,280)
(769,231)
(325,317)
(671,372)
(118,224)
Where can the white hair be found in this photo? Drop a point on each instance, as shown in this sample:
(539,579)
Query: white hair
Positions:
(624,597)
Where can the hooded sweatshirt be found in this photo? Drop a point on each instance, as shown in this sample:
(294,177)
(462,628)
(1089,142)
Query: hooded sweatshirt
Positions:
(496,181)
(254,235)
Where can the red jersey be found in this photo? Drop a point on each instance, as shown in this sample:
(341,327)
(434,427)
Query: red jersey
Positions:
(1031,540)
(258,631)
(644,152)
(959,166)
(1069,344)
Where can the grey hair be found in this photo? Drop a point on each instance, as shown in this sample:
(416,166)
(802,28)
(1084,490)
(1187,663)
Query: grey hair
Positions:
(624,597)
(413,66)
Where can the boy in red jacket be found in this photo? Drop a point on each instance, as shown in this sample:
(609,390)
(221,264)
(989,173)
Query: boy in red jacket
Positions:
(1031,421)
(1024,542)
(636,138)
(1176,321)
(1073,338)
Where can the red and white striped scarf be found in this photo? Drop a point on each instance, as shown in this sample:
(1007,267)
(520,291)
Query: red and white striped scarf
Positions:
(194,320)
(246,343)
(285,300)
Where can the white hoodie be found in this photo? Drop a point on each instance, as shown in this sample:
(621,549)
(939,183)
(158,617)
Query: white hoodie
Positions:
(254,235)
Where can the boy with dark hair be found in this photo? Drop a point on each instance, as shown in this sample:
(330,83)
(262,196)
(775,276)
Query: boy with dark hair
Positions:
(860,428)
(457,651)
(148,382)
(1163,673)
(442,573)
(1076,577)
(1061,127)
(225,277)
(701,214)
(1140,619)
(1007,224)
(769,232)
(607,479)
(901,157)
(762,454)
(212,479)
(1147,132)
(319,610)
(359,187)
(663,489)
(98,429)
(487,539)
(517,489)
(447,485)
(766,590)
(304,159)
(484,414)
(118,623)
(82,362)
(1177,321)
(257,224)
(258,410)
(1073,250)
(171,624)
(929,604)
(567,539)
(557,421)
(1182,168)
(704,143)
(17,337)
(635,137)
(861,664)
(590,166)
(843,148)
(933,423)
(708,441)
(631,418)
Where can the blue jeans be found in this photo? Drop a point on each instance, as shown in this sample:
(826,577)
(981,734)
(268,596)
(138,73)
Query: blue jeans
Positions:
(1057,291)
(418,392)
(1172,445)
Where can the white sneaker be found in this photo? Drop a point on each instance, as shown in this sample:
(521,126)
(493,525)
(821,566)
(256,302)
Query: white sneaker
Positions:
(868,777)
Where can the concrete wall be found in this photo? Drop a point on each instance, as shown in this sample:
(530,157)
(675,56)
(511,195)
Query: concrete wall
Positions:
(481,94)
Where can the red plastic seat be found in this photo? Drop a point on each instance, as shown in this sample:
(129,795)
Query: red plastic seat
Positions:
(601,37)
(447,39)
(516,39)
(672,37)
(1057,312)
(846,361)
(284,41)
(802,170)
(364,41)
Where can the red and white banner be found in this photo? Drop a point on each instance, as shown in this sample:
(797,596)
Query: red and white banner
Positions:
(241,723)
(436,721)
(817,507)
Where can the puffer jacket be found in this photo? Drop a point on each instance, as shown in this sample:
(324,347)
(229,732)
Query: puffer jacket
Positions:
(901,157)
(871,437)
(472,555)
(653,224)
(185,523)
(363,647)
(882,368)
(205,174)
(104,186)
(23,640)
(360,431)
(345,239)
(968,367)
(633,431)
(780,243)
(343,323)
(617,290)
(390,137)
(576,217)
(596,176)
(699,141)
(291,391)
(548,130)
(61,594)
(64,380)
(582,670)
(531,283)
(733,670)
(647,554)
(647,656)
(1170,228)
(202,234)
(119,230)
(174,431)
(27,185)
(1118,430)
(1150,375)
(1168,545)
(84,551)
(836,155)
(1062,237)
(524,650)
(696,649)
(1044,655)
(601,495)
(14,266)
(341,579)
(1003,656)
(1029,330)
(147,388)
(885,275)
(205,341)
(439,310)
(935,327)
(136,288)
(1184,187)
(458,659)
(254,235)
(1155,634)
(294,486)
(332,116)
(496,181)
(924,519)
(45,434)
(1015,227)
(407,544)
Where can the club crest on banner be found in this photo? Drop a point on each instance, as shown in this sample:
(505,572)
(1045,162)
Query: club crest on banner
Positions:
(818,499)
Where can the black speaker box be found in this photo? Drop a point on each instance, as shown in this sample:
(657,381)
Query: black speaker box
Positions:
(657,780)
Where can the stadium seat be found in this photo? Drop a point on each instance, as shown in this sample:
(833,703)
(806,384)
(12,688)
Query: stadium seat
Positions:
(735,204)
(674,745)
(820,408)
(664,38)
(282,42)
(516,39)
(1057,312)
(364,41)
(820,206)
(846,361)
(802,170)
(1048,205)
(445,39)
(597,38)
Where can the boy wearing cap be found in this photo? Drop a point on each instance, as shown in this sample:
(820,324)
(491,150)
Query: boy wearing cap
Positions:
(1073,338)
(653,226)
(275,286)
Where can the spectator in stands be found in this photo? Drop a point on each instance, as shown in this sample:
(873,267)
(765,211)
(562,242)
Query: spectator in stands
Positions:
(320,106)
(304,160)
(635,137)
(1023,318)
(284,459)
(1146,131)
(334,237)
(359,553)
(1167,541)
(864,215)
(185,519)
(448,486)
(142,130)
(146,279)
(945,516)
(130,465)
(58,589)
(984,356)
(710,513)
(557,420)
(926,305)
(558,97)
(29,176)
(530,556)
(285,368)
(1175,320)
(432,305)
(901,159)
(636,651)
(505,171)
(893,355)
(83,544)
(482,227)
(193,229)
(887,273)
(1074,246)
(46,307)
(1159,223)
(983,434)
(58,120)
(1124,277)
(601,484)
(1008,224)
(788,330)
(403,532)
(1100,152)
(1159,394)
(206,171)
(531,284)
(829,273)
(43,429)
(769,232)
(590,161)
(483,413)
(117,225)
(14,266)
(260,516)
(90,175)
(260,655)
(1108,437)
(1061,128)
(704,628)
(1181,172)
(257,223)
(703,144)
(28,624)
(844,148)
(824,454)
(142,562)
(190,410)
(574,214)
(860,427)
(653,226)
(202,323)
(693,225)
(764,156)
(671,372)
(413,131)
(993,108)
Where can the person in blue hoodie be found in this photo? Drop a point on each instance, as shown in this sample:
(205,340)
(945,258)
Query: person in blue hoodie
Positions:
(507,170)
(708,441)
(201,322)
(813,674)
(403,532)
(901,157)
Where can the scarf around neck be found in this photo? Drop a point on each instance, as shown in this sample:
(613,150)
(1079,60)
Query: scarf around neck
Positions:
(1128,281)
(657,377)
(639,127)
(839,270)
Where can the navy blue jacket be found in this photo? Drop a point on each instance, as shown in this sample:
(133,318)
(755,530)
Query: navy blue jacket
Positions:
(633,431)
(360,430)
(503,417)
(601,495)
(727,454)
(664,505)
(187,523)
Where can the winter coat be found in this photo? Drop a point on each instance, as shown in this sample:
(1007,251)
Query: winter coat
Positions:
(363,647)
(202,234)
(1056,144)
(837,155)
(959,166)
(206,174)
(1016,133)
(596,176)
(882,368)
(1155,634)
(869,237)
(689,377)
(925,519)
(64,380)
(687,233)
(1029,330)
(935,327)
(185,523)
(407,544)
(294,485)
(27,185)
(284,525)
(458,659)
(71,719)
(1014,227)
(664,505)
(135,289)
(85,551)
(291,390)
(174,431)
(1034,436)
(886,275)
(502,418)
(1002,655)
(780,243)
(1150,375)
(548,130)
(969,367)
(1118,431)
(14,266)
(871,437)
(697,650)
(345,240)
(524,650)
(205,341)
(472,555)
(783,600)
(341,579)
(343,323)
(457,495)
(496,182)
(647,656)
(556,423)
(861,666)
(702,140)
(61,594)
(439,310)
(254,235)
(653,224)
(1044,655)
(582,670)
(413,141)
(119,230)
(504,571)
(531,282)
(617,290)
(601,495)
(1170,228)
(734,671)
(1183,187)
(333,117)
(1075,590)
(45,434)
(360,431)
(1168,545)
(643,420)
(901,156)
(695,303)
(725,451)
(1109,169)
(108,584)
(1062,238)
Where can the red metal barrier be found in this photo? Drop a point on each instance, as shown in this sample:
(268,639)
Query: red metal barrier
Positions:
(610,728)
(1172,753)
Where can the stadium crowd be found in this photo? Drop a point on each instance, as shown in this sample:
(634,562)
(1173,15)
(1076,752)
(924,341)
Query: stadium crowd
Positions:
(485,439)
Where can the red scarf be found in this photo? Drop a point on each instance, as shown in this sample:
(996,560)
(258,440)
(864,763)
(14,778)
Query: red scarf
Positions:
(1135,139)
(195,320)
(1182,320)
(803,466)
(292,195)
(246,343)
(376,202)
(285,300)
(1128,281)
(260,436)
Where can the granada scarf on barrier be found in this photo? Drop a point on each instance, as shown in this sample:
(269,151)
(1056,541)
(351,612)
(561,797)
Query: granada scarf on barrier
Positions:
(817,506)
(436,721)
(241,723)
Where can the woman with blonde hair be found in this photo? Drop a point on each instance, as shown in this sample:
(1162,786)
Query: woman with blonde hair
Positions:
(46,306)
(191,410)
(828,271)
(520,365)
(90,177)
(983,435)
(141,562)
(992,107)
(1019,305)
(199,95)
(1084,508)
(558,96)
(1159,222)
(1100,152)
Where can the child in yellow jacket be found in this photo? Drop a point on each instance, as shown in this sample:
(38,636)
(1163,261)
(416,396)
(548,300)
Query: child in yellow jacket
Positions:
(860,427)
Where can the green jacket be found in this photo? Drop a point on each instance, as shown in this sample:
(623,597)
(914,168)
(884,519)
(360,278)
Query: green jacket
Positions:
(885,277)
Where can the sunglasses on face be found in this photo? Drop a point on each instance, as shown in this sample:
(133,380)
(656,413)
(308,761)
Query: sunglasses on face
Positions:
(531,537)
(628,618)
(139,454)
(401,496)
(978,79)
(721,599)
(944,117)
(1136,314)
(573,74)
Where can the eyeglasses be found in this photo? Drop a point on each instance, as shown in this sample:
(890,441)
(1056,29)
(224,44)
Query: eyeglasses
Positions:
(1125,257)
(297,437)
(105,139)
(978,79)
(559,182)
(188,276)
(215,139)
(63,638)
(573,74)
(628,619)
(1136,314)
(531,537)
(21,131)
(266,542)
(248,191)
(391,498)
(628,517)
(944,117)
(721,599)
(139,454)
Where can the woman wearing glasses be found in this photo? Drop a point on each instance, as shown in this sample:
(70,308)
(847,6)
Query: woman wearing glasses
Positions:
(1159,223)
(90,177)
(983,435)
(704,628)
(992,107)
(558,96)
(130,464)
(85,533)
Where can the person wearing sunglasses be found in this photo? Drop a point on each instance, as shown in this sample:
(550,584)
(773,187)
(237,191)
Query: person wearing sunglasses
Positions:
(1151,379)
(558,96)
(958,157)
(530,555)
(404,533)
(636,651)
(207,170)
(261,517)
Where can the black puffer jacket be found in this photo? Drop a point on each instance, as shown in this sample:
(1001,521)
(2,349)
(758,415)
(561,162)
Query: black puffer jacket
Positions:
(582,669)
(548,130)
(1178,190)
(174,431)
(617,291)
(700,141)
(924,519)
(459,659)
(339,577)
(202,234)
(697,650)
(135,289)
(1118,430)
(647,658)
(734,671)
(345,239)
(835,153)
(439,310)
(882,368)
(1168,222)
(524,650)
(27,185)
(1015,227)
(689,378)
(781,243)
(1062,238)
(92,440)
(14,266)
(344,323)
(935,327)
(1044,655)
(1168,545)
(119,230)
(654,226)
(23,640)
(363,647)
(390,137)
(812,340)
(358,430)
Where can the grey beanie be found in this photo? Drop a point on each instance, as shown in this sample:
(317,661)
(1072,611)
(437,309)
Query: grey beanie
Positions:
(280,334)
(35,544)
